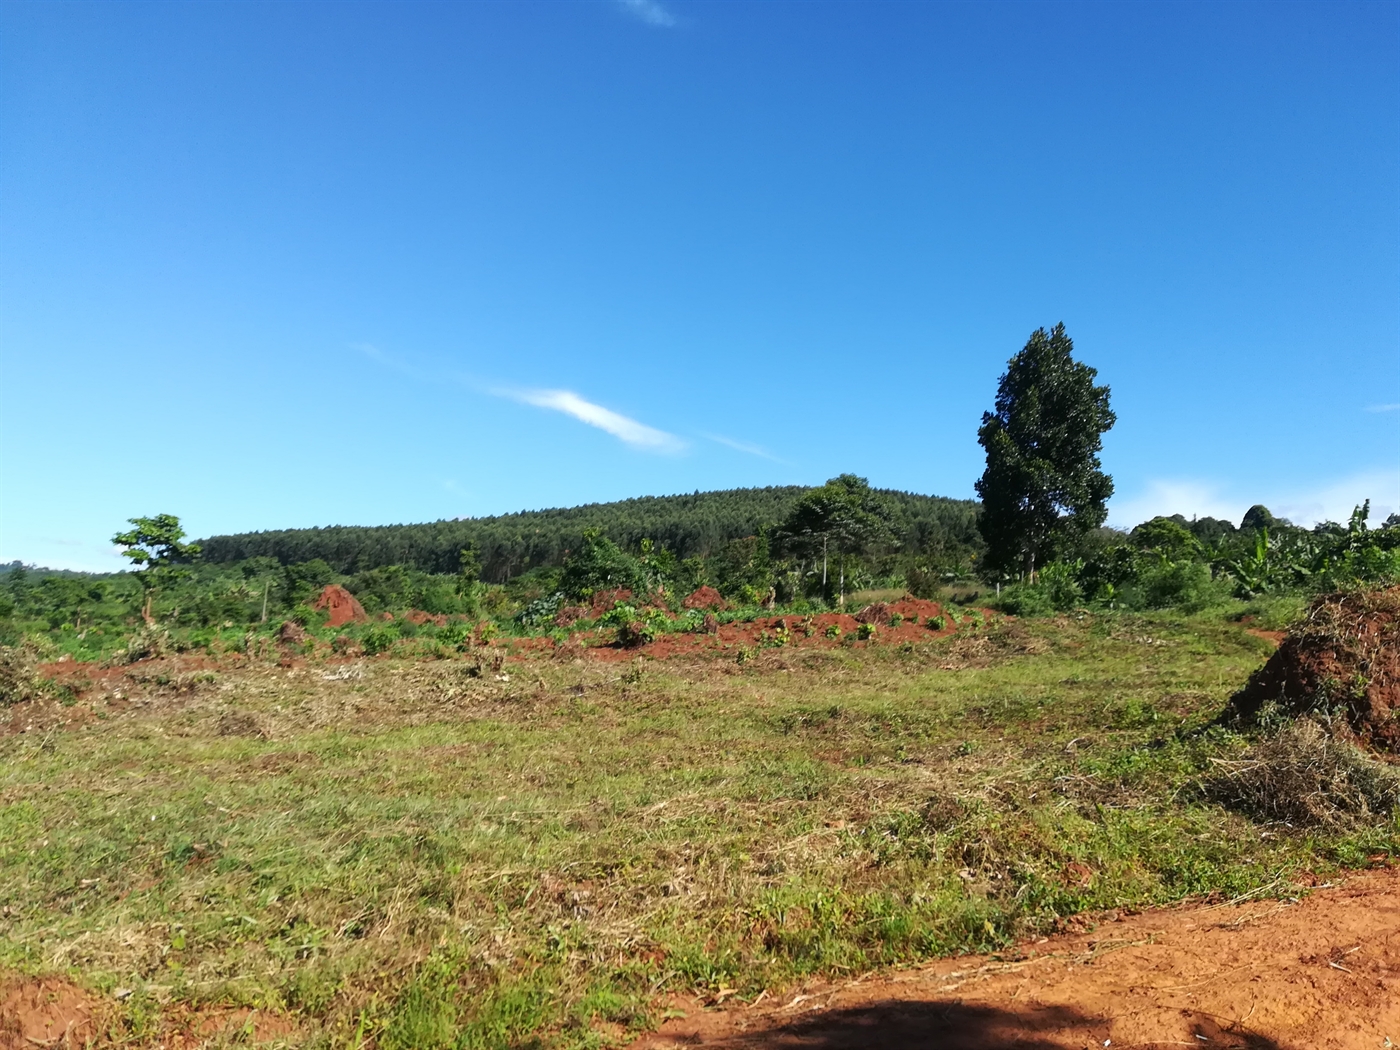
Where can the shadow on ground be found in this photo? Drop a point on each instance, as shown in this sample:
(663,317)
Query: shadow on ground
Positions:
(901,1025)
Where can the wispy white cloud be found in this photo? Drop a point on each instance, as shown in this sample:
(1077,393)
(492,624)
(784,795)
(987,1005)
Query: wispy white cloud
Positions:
(648,11)
(638,435)
(1383,408)
(1327,501)
(378,356)
(744,446)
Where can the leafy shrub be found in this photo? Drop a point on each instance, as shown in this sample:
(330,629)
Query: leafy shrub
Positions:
(1058,582)
(542,610)
(1020,599)
(598,565)
(379,639)
(865,631)
(832,631)
(1186,585)
(455,634)
(936,623)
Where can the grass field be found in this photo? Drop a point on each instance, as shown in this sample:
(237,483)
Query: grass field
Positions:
(415,854)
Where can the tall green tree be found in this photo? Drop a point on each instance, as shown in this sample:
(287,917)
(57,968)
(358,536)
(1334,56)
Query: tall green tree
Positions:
(1043,486)
(844,517)
(155,545)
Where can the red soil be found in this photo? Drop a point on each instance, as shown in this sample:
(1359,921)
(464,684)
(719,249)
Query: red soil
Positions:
(808,632)
(704,598)
(1320,974)
(420,617)
(55,1012)
(344,607)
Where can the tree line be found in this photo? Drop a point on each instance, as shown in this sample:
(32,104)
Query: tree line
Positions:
(509,545)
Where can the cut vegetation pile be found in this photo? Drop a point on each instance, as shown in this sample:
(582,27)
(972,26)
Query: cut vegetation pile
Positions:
(1340,664)
(1302,775)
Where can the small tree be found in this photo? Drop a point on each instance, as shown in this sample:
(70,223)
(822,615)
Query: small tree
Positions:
(154,544)
(843,517)
(1043,485)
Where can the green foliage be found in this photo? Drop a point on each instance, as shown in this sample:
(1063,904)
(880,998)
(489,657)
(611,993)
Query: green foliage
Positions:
(938,533)
(843,518)
(155,544)
(598,565)
(743,569)
(379,639)
(1167,537)
(1042,486)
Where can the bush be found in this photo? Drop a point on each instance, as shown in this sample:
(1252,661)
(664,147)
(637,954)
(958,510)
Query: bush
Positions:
(1022,600)
(379,639)
(1058,581)
(1185,585)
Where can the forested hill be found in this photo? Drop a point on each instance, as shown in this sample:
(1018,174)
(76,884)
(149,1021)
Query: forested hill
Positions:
(509,544)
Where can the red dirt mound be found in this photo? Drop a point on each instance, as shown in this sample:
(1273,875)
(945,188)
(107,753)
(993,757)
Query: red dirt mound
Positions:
(705,598)
(1344,657)
(344,607)
(420,617)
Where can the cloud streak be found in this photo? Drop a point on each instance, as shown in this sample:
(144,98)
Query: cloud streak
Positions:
(1383,408)
(744,446)
(648,11)
(629,431)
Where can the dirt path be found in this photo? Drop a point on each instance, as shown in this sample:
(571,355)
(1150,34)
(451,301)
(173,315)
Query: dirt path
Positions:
(1320,974)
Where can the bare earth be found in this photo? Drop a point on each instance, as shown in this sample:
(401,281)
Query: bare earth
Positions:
(1322,973)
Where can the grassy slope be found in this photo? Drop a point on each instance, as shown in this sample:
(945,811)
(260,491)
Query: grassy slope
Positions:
(428,859)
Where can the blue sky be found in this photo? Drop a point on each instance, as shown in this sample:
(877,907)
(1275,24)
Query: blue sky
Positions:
(299,264)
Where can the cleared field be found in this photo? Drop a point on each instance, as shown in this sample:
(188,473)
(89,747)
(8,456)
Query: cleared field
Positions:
(423,854)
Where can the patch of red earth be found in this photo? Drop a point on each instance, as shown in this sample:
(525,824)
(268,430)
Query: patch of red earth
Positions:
(342,607)
(807,632)
(1321,974)
(49,1011)
(420,617)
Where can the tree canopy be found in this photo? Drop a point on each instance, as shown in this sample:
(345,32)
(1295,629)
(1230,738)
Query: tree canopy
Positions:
(1043,484)
(845,516)
(155,544)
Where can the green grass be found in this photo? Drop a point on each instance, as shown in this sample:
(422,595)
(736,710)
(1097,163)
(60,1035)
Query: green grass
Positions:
(431,859)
